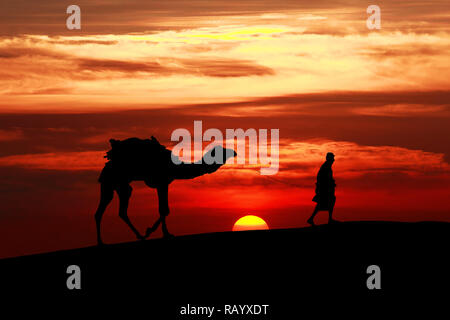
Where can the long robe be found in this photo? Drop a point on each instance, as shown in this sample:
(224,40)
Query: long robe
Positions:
(325,186)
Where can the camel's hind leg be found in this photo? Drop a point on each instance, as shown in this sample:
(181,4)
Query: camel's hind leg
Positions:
(124,192)
(106,195)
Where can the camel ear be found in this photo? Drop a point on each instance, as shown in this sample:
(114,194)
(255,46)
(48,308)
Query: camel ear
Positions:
(154,139)
(113,142)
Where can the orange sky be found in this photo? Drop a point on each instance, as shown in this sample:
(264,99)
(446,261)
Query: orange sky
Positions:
(378,99)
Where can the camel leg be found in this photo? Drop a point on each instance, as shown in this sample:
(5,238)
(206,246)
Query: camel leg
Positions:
(124,193)
(106,195)
(153,228)
(163,192)
(166,233)
(163,198)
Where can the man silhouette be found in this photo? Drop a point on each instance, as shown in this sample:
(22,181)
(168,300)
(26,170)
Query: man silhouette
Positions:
(325,186)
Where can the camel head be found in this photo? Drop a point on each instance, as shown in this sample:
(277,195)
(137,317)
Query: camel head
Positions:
(211,162)
(217,157)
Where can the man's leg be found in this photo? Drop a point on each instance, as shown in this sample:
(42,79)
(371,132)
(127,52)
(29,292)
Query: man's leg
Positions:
(330,215)
(311,219)
(330,212)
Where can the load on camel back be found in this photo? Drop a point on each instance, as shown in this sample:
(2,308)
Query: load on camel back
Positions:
(133,156)
(133,149)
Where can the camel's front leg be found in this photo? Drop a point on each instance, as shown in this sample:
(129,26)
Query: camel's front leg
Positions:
(106,195)
(124,193)
(163,200)
(153,228)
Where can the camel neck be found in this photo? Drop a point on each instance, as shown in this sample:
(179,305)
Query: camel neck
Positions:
(193,170)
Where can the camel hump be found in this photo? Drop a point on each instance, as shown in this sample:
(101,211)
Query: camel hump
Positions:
(113,142)
(134,148)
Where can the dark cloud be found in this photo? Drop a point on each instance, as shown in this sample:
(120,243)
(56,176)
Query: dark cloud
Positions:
(203,67)
(84,68)
(100,65)
(407,50)
(12,52)
(338,102)
(49,90)
(83,42)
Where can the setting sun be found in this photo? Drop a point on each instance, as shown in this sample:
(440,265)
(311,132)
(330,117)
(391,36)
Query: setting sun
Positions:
(250,223)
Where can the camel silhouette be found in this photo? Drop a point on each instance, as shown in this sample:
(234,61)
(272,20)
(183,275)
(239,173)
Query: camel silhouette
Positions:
(147,160)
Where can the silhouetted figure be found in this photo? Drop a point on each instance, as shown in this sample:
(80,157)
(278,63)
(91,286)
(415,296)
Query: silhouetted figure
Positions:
(325,186)
(147,160)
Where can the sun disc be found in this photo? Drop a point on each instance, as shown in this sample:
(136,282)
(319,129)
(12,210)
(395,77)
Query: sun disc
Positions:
(250,222)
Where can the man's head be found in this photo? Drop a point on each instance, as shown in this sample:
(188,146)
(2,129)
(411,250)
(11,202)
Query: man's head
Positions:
(330,157)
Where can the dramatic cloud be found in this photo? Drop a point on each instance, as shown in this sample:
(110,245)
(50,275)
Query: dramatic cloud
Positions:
(205,67)
(56,161)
